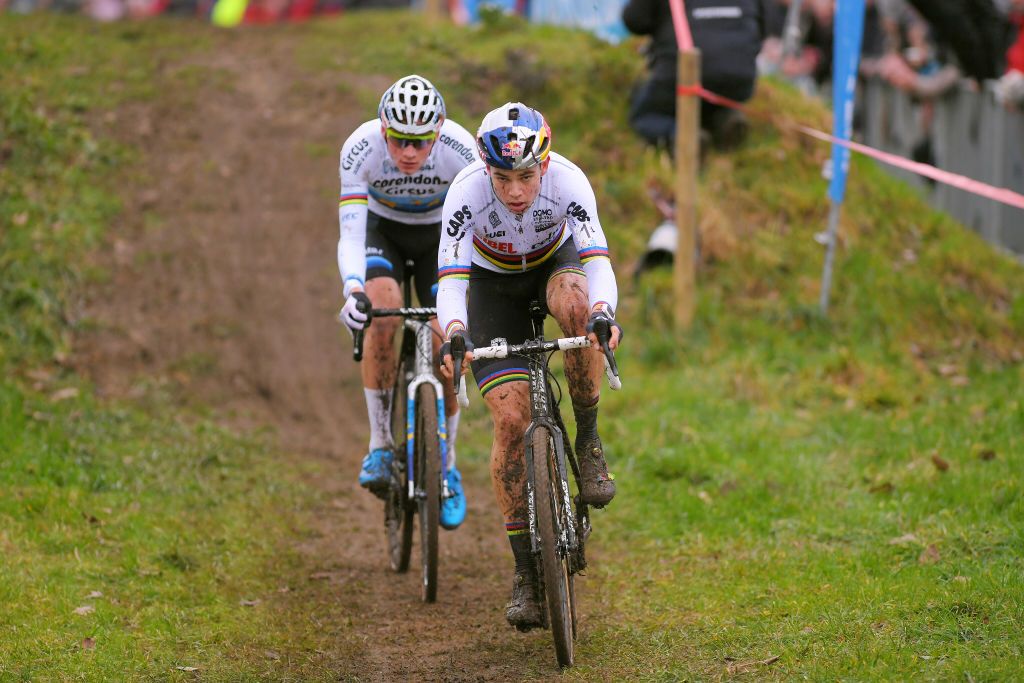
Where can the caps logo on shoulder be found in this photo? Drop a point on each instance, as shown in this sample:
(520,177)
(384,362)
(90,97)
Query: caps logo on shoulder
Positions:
(577,212)
(456,222)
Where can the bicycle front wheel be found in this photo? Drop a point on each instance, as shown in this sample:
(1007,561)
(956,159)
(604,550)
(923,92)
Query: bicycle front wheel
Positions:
(398,509)
(552,516)
(428,484)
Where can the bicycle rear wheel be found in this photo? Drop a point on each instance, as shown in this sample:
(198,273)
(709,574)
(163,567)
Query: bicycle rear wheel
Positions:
(428,481)
(551,519)
(398,509)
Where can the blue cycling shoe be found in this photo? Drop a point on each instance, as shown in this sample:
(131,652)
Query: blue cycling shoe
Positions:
(376,472)
(453,508)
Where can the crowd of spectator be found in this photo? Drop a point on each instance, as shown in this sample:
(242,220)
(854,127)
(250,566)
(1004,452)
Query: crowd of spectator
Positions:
(923,47)
(254,11)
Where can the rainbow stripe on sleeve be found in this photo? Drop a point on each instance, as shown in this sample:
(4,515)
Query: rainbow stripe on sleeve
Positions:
(452,327)
(591,253)
(352,199)
(453,272)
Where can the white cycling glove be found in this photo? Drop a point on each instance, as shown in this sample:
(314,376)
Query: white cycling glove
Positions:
(354,312)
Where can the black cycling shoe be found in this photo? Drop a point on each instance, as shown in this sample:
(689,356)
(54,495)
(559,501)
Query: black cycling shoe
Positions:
(597,487)
(524,610)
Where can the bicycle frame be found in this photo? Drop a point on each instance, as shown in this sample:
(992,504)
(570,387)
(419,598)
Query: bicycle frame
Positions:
(423,373)
(542,414)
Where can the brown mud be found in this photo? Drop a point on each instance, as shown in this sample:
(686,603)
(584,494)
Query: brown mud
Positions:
(224,284)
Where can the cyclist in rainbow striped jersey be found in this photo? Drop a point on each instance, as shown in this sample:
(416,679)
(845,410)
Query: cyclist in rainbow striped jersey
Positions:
(395,172)
(522,225)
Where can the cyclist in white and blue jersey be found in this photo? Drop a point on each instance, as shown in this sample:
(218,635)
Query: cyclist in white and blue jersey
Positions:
(395,172)
(522,225)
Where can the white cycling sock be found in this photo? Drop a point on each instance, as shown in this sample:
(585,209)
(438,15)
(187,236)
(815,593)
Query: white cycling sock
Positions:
(378,407)
(453,430)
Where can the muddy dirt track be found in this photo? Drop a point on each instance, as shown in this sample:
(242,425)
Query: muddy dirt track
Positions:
(225,281)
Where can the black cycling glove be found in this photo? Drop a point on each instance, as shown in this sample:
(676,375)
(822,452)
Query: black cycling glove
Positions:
(599,318)
(446,348)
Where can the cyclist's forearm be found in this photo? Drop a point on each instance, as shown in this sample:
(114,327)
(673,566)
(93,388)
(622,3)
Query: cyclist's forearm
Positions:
(602,291)
(352,244)
(451,305)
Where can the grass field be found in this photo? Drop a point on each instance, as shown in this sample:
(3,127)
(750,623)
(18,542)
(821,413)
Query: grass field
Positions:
(800,497)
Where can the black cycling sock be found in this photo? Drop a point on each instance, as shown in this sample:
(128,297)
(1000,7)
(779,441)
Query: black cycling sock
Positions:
(586,422)
(521,551)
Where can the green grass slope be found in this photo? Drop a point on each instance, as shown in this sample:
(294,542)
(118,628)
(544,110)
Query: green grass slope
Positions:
(799,496)
(131,539)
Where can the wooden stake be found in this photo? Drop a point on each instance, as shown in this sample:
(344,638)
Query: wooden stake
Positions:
(435,9)
(687,163)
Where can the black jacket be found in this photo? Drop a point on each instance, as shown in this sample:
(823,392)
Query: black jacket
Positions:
(973,29)
(729,34)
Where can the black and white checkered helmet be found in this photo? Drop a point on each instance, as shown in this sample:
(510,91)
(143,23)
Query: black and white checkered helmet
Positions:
(412,106)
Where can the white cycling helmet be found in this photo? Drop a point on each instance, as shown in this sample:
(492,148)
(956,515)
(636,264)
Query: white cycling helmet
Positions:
(412,106)
(514,136)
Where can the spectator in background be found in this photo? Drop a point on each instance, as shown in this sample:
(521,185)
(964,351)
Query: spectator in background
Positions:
(975,30)
(729,34)
(1010,87)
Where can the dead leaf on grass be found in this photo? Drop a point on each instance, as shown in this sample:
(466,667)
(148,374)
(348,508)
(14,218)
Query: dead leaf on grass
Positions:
(987,454)
(903,540)
(64,394)
(705,497)
(929,555)
(947,369)
(187,668)
(270,654)
(736,667)
(883,487)
(94,594)
(85,609)
(940,464)
(249,603)
(88,644)
(319,576)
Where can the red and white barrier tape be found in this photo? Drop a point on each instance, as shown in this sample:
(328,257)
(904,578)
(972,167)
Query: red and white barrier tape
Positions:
(1000,194)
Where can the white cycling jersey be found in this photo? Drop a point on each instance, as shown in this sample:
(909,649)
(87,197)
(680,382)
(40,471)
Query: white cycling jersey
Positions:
(477,229)
(370,181)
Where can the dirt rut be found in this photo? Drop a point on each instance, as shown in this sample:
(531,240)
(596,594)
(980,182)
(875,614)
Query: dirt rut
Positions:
(224,280)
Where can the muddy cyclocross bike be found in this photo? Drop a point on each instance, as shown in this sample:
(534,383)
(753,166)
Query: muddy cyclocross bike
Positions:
(559,523)
(419,481)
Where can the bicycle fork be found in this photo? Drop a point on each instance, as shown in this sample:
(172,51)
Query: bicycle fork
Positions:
(424,374)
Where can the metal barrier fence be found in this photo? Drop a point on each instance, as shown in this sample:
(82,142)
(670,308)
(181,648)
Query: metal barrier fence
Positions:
(972,135)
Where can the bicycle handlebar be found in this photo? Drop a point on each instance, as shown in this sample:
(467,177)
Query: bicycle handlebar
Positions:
(603,332)
(458,343)
(534,346)
(414,313)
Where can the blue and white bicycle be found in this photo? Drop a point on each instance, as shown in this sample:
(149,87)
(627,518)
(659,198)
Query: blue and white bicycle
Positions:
(419,481)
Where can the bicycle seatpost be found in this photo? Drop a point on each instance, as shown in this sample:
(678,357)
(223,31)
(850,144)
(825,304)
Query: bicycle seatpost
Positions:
(357,335)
